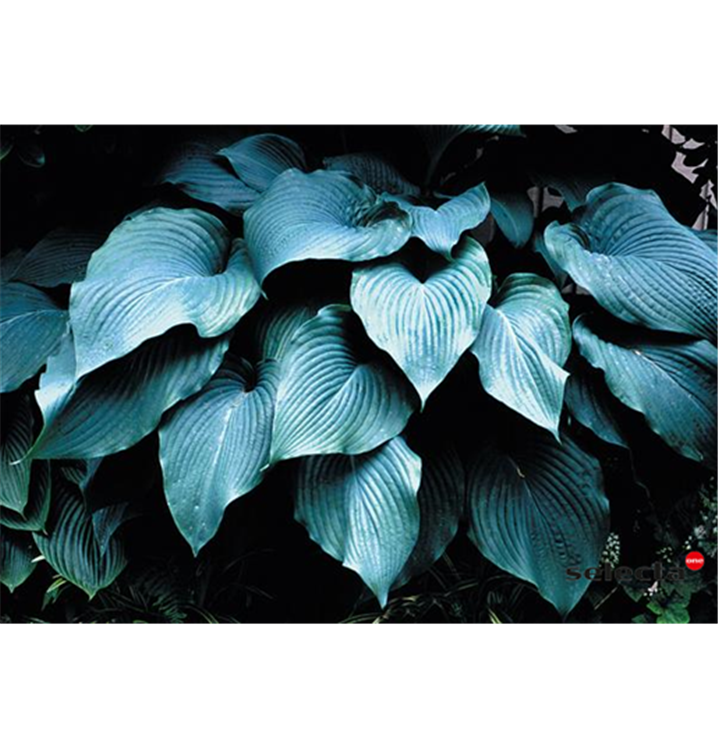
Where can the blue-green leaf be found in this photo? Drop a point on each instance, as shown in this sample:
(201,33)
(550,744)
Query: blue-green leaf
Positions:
(156,271)
(373,170)
(60,257)
(440,228)
(9,261)
(709,236)
(321,215)
(35,513)
(31,325)
(441,497)
(71,546)
(424,325)
(669,379)
(638,262)
(536,508)
(214,446)
(198,171)
(589,402)
(438,138)
(335,395)
(258,159)
(524,340)
(107,521)
(15,441)
(363,510)
(16,558)
(115,407)
(514,213)
(276,326)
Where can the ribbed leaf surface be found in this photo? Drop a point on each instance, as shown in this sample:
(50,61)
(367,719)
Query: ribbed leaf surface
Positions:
(335,396)
(258,159)
(71,547)
(35,512)
(17,553)
(60,257)
(440,228)
(524,340)
(537,507)
(31,325)
(321,215)
(214,446)
(363,510)
(15,441)
(161,269)
(373,170)
(424,325)
(198,171)
(115,407)
(671,380)
(639,262)
(442,495)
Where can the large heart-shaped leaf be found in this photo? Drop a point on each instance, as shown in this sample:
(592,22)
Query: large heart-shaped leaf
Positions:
(670,379)
(16,558)
(537,508)
(336,395)
(363,510)
(638,261)
(60,257)
(71,547)
(115,407)
(31,325)
(258,159)
(158,270)
(321,215)
(440,228)
(524,340)
(425,325)
(198,171)
(214,446)
(439,137)
(373,170)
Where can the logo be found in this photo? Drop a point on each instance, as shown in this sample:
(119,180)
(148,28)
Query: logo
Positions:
(623,574)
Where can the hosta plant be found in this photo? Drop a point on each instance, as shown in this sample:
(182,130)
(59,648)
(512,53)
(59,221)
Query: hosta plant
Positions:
(416,347)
